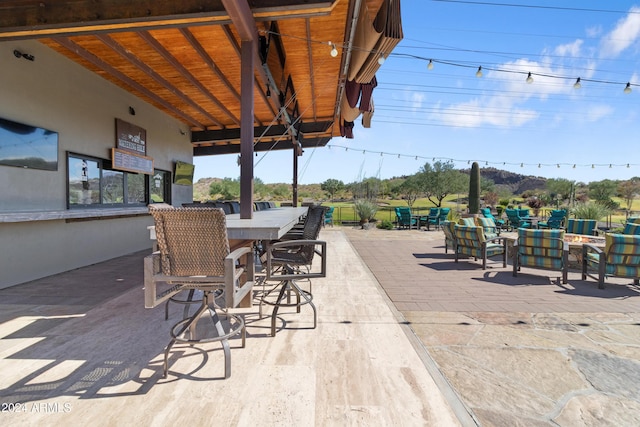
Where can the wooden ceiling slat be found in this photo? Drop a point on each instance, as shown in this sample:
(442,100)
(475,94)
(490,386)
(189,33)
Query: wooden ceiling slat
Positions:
(186,74)
(109,41)
(99,63)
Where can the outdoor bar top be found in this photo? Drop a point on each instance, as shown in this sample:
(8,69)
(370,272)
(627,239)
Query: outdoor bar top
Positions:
(269,224)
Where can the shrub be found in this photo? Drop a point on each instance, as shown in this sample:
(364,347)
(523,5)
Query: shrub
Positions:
(365,209)
(591,211)
(385,225)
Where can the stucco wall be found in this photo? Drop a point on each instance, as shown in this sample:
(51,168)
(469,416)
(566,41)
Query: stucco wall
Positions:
(57,94)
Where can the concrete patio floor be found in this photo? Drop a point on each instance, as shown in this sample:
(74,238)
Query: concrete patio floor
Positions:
(405,337)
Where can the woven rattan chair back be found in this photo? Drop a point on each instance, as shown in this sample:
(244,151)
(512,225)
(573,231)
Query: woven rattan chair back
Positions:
(191,241)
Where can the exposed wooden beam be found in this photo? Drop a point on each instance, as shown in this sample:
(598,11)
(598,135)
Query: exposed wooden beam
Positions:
(116,74)
(124,53)
(306,129)
(37,18)
(186,74)
(268,145)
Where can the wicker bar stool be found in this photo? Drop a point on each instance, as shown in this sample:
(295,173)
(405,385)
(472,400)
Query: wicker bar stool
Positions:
(194,255)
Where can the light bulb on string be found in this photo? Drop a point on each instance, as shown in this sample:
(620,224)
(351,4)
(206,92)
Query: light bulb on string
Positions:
(479,72)
(430,65)
(381,60)
(627,88)
(529,78)
(577,84)
(334,50)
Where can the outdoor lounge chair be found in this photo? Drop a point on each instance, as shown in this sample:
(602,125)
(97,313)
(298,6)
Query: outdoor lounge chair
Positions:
(489,227)
(486,212)
(544,249)
(444,214)
(555,220)
(619,258)
(449,236)
(194,254)
(471,241)
(582,226)
(290,261)
(404,218)
(515,221)
(433,218)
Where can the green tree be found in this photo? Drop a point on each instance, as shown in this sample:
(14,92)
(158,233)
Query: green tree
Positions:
(332,186)
(440,180)
(410,189)
(560,188)
(228,189)
(602,191)
(628,190)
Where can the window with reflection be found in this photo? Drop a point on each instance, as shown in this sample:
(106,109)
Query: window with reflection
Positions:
(92,183)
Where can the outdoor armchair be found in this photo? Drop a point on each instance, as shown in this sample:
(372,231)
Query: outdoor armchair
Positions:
(515,221)
(555,220)
(328,216)
(471,241)
(486,212)
(543,249)
(619,258)
(632,227)
(404,218)
(193,254)
(489,227)
(449,236)
(433,218)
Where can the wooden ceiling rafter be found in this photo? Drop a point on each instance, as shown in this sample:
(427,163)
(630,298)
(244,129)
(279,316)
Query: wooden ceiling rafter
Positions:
(119,76)
(21,19)
(186,74)
(146,69)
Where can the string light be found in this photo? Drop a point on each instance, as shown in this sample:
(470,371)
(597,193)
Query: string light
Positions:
(381,60)
(529,78)
(577,84)
(430,65)
(334,50)
(479,72)
(627,88)
(486,162)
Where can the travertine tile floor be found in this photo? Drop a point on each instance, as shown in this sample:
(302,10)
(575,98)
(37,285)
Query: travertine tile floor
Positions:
(80,349)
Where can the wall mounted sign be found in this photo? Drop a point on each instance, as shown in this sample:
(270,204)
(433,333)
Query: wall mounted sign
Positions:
(131,162)
(130,137)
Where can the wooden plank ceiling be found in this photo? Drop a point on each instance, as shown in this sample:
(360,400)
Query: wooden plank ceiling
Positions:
(184,58)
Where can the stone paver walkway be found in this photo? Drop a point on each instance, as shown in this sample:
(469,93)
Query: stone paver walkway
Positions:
(522,351)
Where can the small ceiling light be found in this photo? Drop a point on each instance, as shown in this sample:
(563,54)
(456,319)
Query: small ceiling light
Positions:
(627,88)
(334,50)
(529,78)
(577,84)
(479,72)
(268,92)
(381,60)
(430,65)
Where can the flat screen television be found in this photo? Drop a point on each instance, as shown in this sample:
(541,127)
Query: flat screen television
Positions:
(28,146)
(183,173)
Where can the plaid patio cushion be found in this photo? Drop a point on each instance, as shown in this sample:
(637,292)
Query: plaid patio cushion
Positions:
(470,222)
(540,248)
(631,228)
(581,226)
(489,227)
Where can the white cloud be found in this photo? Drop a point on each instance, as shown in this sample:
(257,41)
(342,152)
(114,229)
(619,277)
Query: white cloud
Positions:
(569,49)
(624,35)
(597,112)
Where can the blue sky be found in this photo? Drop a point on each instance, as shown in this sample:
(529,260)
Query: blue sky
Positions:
(542,128)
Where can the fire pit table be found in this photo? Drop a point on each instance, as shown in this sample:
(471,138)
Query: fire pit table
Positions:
(575,247)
